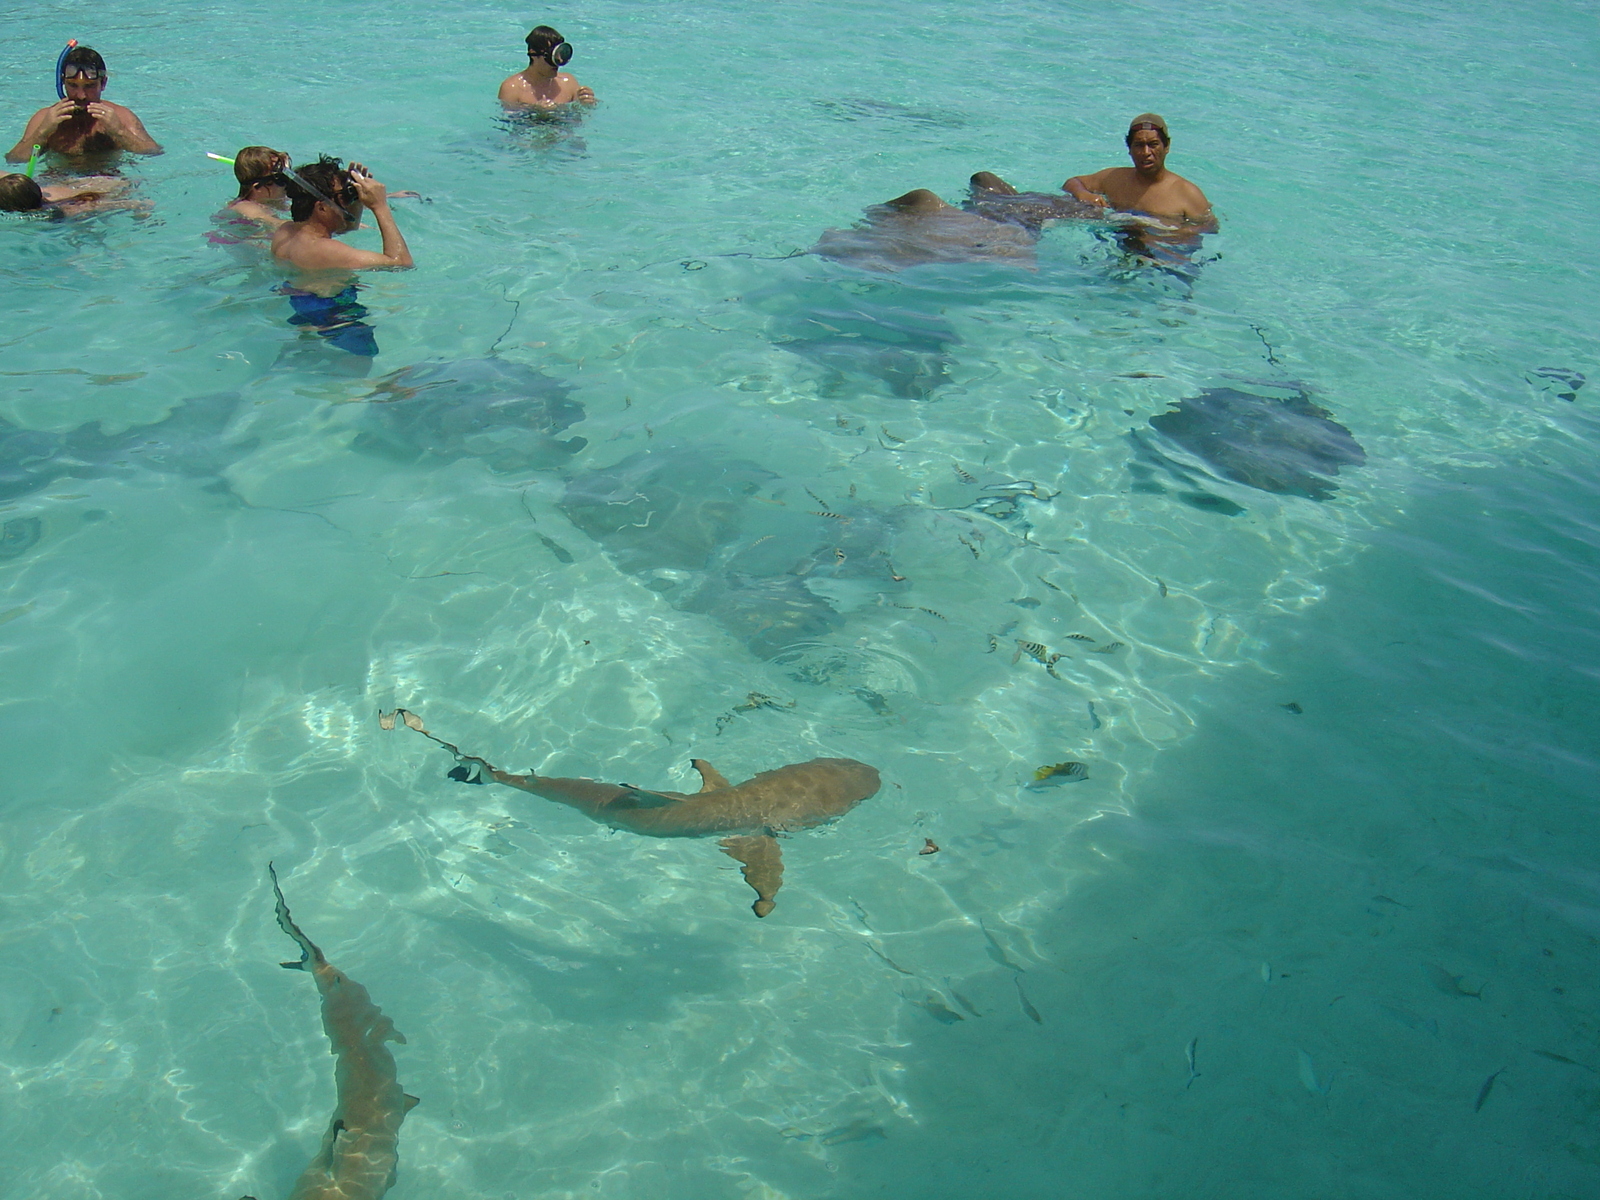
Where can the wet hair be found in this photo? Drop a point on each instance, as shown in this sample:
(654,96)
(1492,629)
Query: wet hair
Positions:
(326,175)
(20,194)
(542,40)
(86,61)
(257,164)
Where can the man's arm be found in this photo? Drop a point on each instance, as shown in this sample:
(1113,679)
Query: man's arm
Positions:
(1197,209)
(580,94)
(1089,189)
(375,196)
(40,126)
(124,128)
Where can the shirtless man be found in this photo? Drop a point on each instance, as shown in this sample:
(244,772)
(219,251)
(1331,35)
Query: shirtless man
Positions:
(1147,187)
(324,202)
(83,123)
(543,84)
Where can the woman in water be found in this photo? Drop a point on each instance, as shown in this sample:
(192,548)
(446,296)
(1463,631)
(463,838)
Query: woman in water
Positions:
(261,199)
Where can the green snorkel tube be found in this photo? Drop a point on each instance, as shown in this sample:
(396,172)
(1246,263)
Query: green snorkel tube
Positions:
(33,161)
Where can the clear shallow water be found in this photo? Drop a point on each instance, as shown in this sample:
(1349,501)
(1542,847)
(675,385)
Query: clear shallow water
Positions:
(193,656)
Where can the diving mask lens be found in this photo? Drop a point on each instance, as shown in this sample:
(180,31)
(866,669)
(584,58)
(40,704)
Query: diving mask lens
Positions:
(560,54)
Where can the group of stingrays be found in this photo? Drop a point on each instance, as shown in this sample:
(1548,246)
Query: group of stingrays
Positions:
(360,1155)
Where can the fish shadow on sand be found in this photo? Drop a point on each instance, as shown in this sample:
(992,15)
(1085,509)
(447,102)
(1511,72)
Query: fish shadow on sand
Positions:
(904,350)
(861,108)
(747,817)
(502,412)
(696,528)
(192,441)
(1284,444)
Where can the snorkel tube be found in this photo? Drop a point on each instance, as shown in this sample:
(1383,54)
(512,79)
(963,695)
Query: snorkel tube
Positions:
(61,61)
(33,161)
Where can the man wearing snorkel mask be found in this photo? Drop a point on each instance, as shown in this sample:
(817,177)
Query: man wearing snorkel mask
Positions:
(544,84)
(81,122)
(325,200)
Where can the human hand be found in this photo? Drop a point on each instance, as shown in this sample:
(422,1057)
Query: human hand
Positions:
(585,95)
(106,115)
(373,194)
(59,114)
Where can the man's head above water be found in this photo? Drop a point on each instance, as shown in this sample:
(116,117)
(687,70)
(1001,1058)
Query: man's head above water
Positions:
(545,43)
(83,75)
(1148,121)
(324,182)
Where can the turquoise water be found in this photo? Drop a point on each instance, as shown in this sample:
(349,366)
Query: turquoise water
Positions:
(1354,915)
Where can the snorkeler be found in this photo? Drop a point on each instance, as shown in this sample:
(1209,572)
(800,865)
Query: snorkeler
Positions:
(263,187)
(81,122)
(22,194)
(325,201)
(543,84)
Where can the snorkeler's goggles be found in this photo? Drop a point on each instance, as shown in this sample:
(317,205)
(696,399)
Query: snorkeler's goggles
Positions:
(300,180)
(81,74)
(558,55)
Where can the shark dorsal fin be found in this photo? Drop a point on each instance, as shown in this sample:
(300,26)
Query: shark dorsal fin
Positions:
(711,778)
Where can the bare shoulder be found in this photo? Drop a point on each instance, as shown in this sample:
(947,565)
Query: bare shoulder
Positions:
(513,90)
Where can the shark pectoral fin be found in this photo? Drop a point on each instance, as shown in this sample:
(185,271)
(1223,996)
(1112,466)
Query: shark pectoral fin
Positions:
(762,867)
(411,1101)
(710,777)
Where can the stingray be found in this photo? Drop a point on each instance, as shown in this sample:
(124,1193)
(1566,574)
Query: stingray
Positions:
(502,412)
(191,440)
(905,350)
(866,109)
(697,529)
(919,228)
(1281,444)
(993,198)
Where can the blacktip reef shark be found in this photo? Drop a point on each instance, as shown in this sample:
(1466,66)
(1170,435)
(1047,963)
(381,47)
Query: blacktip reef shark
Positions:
(360,1151)
(752,814)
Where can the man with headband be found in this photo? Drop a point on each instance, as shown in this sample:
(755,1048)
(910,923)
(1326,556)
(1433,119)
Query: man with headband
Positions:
(1146,187)
(544,84)
(81,122)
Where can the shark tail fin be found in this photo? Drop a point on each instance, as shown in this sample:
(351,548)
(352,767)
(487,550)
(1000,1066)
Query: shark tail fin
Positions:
(309,953)
(762,867)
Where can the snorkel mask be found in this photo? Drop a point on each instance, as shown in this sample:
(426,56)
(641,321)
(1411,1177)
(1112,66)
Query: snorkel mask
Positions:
(558,55)
(300,180)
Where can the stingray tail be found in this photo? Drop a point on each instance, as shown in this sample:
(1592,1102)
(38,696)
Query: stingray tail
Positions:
(310,955)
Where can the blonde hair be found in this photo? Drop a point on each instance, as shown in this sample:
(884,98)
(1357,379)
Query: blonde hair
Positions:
(253,164)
